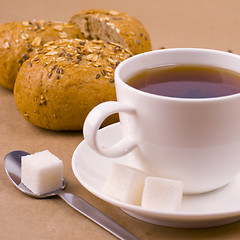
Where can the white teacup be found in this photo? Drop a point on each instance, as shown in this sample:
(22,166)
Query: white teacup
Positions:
(193,140)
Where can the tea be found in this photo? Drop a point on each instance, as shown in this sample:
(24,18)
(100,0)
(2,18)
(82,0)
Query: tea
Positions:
(187,81)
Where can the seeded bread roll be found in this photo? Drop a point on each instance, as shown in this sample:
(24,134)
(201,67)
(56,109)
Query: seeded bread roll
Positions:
(58,86)
(113,26)
(19,39)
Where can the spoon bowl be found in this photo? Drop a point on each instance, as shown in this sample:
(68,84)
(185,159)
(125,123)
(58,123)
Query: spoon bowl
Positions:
(12,164)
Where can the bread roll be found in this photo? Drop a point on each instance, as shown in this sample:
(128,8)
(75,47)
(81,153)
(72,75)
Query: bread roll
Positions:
(58,86)
(19,39)
(113,26)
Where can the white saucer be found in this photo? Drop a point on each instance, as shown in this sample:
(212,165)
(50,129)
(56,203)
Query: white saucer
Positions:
(205,210)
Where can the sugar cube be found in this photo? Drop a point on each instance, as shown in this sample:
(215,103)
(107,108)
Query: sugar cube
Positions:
(161,194)
(41,172)
(125,184)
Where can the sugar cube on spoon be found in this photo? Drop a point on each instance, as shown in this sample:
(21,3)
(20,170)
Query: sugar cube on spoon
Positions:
(41,172)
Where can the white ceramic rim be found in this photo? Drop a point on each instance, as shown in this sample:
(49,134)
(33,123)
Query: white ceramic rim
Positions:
(123,64)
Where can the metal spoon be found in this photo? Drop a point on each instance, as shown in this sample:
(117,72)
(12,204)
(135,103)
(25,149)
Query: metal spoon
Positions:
(12,163)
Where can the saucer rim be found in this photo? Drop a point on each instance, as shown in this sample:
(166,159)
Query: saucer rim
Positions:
(166,215)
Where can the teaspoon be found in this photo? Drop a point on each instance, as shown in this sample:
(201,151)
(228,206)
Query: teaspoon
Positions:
(12,163)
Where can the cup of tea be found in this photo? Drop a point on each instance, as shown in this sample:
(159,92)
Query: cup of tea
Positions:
(180,115)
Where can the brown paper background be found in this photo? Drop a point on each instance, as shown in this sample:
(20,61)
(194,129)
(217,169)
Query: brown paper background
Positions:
(170,23)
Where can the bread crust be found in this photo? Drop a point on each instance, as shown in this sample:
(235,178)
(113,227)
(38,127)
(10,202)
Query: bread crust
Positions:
(114,26)
(58,86)
(19,39)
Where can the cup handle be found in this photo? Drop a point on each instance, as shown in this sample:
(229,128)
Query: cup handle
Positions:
(94,120)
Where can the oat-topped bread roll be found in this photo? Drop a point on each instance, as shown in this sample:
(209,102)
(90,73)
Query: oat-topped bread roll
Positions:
(113,26)
(58,86)
(18,39)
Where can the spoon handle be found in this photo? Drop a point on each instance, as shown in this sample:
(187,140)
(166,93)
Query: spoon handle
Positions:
(96,216)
